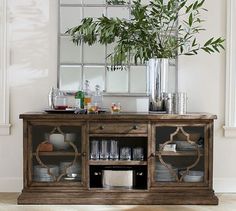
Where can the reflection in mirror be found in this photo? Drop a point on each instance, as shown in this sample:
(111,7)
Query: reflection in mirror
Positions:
(172,78)
(69,52)
(70,16)
(94,54)
(95,75)
(119,12)
(71,1)
(117,81)
(94,1)
(138,74)
(70,77)
(94,12)
(79,63)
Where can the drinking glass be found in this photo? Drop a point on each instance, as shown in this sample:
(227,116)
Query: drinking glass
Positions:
(125,153)
(138,153)
(114,155)
(94,153)
(104,154)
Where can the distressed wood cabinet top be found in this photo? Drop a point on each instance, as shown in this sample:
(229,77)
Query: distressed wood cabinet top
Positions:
(120,116)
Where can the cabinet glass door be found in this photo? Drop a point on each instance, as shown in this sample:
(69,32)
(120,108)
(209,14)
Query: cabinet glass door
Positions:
(180,155)
(56,155)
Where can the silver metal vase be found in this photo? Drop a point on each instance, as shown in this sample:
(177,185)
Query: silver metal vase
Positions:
(158,79)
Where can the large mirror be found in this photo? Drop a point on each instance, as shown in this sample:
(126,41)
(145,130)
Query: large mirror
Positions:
(79,63)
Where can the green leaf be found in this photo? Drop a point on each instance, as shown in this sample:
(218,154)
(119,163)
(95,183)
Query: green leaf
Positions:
(216,49)
(201,3)
(189,54)
(190,20)
(206,50)
(169,5)
(219,40)
(194,42)
(221,46)
(182,5)
(209,42)
(195,5)
(188,8)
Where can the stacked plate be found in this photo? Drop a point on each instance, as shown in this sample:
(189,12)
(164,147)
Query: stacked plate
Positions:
(41,173)
(184,145)
(163,174)
(193,176)
(72,172)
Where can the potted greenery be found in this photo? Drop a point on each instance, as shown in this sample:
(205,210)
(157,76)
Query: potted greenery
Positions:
(160,30)
(151,32)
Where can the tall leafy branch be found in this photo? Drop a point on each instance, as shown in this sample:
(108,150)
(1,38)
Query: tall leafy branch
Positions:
(156,30)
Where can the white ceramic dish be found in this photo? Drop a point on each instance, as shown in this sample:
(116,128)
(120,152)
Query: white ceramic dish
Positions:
(172,179)
(193,176)
(72,178)
(160,166)
(165,175)
(58,140)
(168,147)
(184,145)
(41,173)
(74,169)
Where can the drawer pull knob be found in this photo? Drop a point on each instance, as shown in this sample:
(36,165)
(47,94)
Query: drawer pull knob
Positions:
(135,127)
(101,127)
(84,154)
(152,155)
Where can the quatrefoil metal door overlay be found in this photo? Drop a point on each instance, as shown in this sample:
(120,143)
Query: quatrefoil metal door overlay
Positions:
(55,178)
(171,141)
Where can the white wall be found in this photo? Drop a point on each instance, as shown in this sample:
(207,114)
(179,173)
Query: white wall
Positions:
(33,71)
(33,29)
(203,78)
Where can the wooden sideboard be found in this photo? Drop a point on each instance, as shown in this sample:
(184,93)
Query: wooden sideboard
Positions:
(174,147)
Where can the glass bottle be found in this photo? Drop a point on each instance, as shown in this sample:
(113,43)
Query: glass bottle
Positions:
(79,99)
(87,94)
(97,97)
(51,98)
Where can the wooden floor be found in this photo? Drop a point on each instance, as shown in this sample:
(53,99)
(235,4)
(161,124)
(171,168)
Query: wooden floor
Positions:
(8,203)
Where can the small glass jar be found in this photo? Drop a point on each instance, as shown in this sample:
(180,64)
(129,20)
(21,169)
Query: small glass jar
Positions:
(60,102)
(92,109)
(125,153)
(115,108)
(138,153)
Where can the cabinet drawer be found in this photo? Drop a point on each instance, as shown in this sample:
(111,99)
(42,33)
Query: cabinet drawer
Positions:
(119,128)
